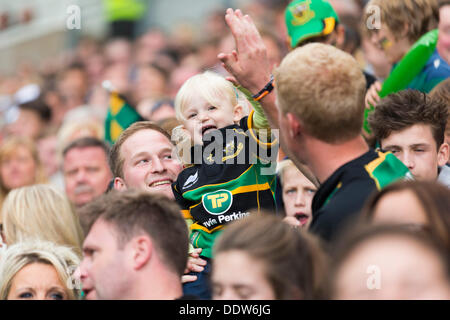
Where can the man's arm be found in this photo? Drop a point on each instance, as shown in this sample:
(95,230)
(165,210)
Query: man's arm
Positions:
(249,64)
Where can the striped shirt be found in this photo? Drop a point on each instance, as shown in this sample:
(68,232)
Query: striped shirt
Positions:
(213,194)
(341,197)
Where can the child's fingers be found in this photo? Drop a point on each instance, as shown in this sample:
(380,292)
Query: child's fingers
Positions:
(197,261)
(292,221)
(188,278)
(378,85)
(372,97)
(232,80)
(195,267)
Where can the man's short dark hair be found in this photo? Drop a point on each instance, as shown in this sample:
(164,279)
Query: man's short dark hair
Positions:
(85,143)
(406,108)
(39,107)
(133,213)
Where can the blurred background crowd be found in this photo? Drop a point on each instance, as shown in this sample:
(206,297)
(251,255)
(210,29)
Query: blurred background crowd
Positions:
(59,60)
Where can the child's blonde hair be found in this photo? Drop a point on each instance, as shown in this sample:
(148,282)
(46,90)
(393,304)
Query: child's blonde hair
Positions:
(283,165)
(213,88)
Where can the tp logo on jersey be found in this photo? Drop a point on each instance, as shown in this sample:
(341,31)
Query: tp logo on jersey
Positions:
(217,202)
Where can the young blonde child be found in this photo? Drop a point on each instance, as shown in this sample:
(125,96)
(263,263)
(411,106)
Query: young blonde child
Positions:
(230,158)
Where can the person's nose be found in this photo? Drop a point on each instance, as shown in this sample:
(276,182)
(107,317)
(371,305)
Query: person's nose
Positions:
(408,160)
(78,272)
(82,271)
(81,176)
(203,116)
(157,165)
(40,295)
(300,200)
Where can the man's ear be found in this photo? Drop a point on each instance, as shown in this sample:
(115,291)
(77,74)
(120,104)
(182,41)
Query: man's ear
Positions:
(443,154)
(119,184)
(295,128)
(238,113)
(287,42)
(141,251)
(340,36)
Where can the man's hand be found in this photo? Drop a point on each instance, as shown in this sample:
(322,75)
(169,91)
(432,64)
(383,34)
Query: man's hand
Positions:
(372,96)
(249,64)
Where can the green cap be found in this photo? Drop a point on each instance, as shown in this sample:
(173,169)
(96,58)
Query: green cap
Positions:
(309,18)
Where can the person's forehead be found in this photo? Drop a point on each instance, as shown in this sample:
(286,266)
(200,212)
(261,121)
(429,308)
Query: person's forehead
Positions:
(85,154)
(293,176)
(29,113)
(195,101)
(37,273)
(146,140)
(444,11)
(415,134)
(102,233)
(378,246)
(18,151)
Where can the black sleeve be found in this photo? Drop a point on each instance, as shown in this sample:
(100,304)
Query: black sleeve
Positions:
(342,210)
(182,202)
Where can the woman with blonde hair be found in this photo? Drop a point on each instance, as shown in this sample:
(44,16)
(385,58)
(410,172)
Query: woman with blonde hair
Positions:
(40,212)
(19,165)
(38,270)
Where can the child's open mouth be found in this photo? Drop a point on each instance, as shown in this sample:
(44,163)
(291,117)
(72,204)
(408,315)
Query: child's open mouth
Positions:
(302,218)
(208,128)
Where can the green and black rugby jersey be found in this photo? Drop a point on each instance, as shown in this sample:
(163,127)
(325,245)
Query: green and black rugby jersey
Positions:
(226,187)
(341,197)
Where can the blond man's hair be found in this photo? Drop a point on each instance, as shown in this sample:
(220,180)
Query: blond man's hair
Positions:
(324,88)
(40,212)
(22,254)
(420,16)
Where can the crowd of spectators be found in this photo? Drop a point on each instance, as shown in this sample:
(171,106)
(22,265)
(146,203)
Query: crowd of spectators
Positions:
(334,184)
